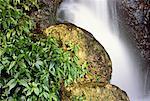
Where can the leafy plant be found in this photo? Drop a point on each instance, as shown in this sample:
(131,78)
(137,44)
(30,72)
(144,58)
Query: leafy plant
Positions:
(32,70)
(13,16)
(36,69)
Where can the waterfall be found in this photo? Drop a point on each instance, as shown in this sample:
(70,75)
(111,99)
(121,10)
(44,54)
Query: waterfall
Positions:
(95,17)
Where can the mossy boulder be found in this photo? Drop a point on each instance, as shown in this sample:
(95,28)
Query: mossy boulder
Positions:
(90,50)
(95,85)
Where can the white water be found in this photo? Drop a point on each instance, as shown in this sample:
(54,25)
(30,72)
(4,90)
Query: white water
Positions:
(93,15)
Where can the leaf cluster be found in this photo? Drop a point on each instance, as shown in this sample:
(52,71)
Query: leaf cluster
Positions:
(35,70)
(32,70)
(13,17)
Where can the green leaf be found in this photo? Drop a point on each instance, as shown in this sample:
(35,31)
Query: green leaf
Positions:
(2,51)
(53,97)
(28,74)
(21,56)
(11,84)
(38,64)
(36,91)
(68,66)
(29,99)
(76,48)
(29,92)
(51,65)
(76,59)
(35,84)
(22,64)
(13,21)
(46,88)
(12,64)
(23,83)
(26,29)
(17,75)
(8,34)
(53,72)
(26,7)
(46,95)
(4,24)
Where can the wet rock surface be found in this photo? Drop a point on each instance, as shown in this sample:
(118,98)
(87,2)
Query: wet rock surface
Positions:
(46,15)
(136,14)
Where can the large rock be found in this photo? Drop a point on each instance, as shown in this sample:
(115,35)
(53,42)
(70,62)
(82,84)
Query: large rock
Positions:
(94,86)
(90,50)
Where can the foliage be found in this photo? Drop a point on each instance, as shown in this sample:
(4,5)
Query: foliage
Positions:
(32,70)
(35,70)
(13,17)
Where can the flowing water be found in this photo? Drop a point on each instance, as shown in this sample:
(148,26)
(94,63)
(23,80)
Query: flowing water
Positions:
(95,17)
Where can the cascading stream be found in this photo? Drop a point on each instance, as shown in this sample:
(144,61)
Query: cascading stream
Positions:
(93,15)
